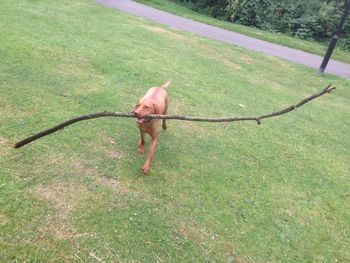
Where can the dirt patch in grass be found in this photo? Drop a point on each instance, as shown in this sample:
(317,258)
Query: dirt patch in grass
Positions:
(162,30)
(220,56)
(115,154)
(65,197)
(61,230)
(3,220)
(196,233)
(119,186)
(80,167)
(246,59)
(3,143)
(112,183)
(63,165)
(155,29)
(127,188)
(111,152)
(276,87)
(231,65)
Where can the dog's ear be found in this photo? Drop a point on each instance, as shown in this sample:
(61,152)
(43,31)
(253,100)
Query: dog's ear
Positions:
(156,109)
(136,106)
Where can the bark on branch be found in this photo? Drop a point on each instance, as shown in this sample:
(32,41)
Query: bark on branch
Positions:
(258,119)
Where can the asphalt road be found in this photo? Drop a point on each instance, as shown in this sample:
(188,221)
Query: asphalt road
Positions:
(178,22)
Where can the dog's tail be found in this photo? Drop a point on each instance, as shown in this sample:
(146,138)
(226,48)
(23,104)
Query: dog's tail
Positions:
(166,84)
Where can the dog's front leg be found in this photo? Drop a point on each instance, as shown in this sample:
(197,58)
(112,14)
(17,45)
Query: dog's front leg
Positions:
(141,143)
(147,165)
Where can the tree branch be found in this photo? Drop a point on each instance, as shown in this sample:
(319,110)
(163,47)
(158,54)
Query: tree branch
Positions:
(258,119)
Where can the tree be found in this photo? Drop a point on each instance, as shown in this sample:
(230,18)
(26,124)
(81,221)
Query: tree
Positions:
(335,37)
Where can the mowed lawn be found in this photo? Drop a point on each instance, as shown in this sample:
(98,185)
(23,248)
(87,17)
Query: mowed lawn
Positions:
(234,192)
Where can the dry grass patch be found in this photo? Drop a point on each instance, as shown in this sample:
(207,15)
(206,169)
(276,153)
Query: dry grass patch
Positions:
(3,219)
(128,188)
(196,233)
(81,168)
(115,154)
(220,56)
(18,114)
(113,183)
(246,59)
(111,152)
(61,165)
(65,197)
(231,64)
(116,185)
(155,29)
(162,30)
(61,230)
(3,143)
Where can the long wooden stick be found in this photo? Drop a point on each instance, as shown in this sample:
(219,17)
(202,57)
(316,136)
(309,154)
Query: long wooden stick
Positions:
(258,119)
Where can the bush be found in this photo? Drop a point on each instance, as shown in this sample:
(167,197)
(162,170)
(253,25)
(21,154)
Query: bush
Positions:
(307,19)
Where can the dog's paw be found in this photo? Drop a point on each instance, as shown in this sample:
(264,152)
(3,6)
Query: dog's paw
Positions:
(146,168)
(165,127)
(141,150)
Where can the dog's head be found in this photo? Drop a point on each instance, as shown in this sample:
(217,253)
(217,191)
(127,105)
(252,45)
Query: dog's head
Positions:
(142,108)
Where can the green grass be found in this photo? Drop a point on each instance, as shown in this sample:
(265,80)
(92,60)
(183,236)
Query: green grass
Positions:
(216,192)
(278,38)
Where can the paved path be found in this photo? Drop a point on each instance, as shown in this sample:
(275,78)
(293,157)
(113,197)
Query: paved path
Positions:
(334,67)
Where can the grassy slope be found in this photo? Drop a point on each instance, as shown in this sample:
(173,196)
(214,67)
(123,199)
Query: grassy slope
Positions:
(216,192)
(282,39)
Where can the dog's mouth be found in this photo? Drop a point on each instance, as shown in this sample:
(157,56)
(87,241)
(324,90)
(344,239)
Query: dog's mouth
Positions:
(142,120)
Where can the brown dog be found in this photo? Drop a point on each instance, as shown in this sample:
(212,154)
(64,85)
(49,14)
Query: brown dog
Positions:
(155,101)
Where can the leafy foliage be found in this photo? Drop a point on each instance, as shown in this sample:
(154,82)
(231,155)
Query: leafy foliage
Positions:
(306,19)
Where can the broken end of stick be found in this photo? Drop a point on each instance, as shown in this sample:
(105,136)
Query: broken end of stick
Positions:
(21,143)
(329,88)
(16,146)
(258,121)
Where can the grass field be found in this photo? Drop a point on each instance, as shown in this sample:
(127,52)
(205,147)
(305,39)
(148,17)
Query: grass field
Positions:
(278,38)
(216,192)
